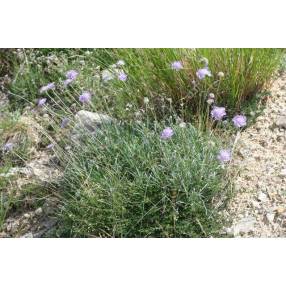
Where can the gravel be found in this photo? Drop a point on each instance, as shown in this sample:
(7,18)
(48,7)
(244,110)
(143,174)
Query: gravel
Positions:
(259,165)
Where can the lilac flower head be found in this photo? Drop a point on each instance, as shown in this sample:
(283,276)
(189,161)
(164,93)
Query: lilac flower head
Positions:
(65,122)
(177,65)
(85,97)
(202,73)
(47,87)
(239,121)
(50,146)
(72,74)
(167,133)
(8,147)
(122,76)
(218,113)
(68,81)
(42,101)
(224,156)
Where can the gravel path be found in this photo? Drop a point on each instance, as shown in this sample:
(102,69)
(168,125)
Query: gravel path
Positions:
(259,207)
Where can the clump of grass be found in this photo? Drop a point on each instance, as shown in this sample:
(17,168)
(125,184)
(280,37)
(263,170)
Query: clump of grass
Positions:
(246,71)
(128,182)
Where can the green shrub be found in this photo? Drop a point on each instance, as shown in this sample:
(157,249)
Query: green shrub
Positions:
(128,182)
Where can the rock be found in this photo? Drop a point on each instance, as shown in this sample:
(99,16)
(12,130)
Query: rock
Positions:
(283,173)
(270,217)
(38,211)
(90,120)
(262,197)
(244,226)
(281,122)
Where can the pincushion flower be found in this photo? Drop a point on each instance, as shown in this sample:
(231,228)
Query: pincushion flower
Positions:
(167,133)
(68,81)
(224,156)
(47,87)
(239,121)
(177,65)
(8,147)
(202,73)
(122,76)
(65,122)
(85,97)
(71,74)
(41,102)
(218,113)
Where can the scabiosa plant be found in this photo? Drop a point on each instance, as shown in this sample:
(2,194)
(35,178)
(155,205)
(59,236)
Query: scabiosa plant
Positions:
(122,76)
(167,133)
(65,122)
(224,156)
(8,147)
(220,74)
(71,74)
(202,73)
(107,75)
(239,121)
(42,102)
(177,65)
(218,113)
(47,87)
(85,97)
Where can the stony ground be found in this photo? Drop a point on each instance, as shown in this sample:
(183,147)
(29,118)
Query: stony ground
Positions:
(259,206)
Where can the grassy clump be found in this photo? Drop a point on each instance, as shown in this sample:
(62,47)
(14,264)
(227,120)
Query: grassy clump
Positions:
(127,182)
(246,71)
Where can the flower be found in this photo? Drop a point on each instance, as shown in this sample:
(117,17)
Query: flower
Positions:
(224,156)
(120,63)
(167,133)
(8,147)
(218,113)
(68,81)
(122,76)
(239,121)
(146,100)
(85,97)
(65,122)
(50,146)
(177,65)
(72,74)
(220,74)
(211,95)
(42,101)
(202,73)
(107,75)
(47,87)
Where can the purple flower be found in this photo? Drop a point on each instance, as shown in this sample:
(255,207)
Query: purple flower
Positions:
(47,87)
(85,97)
(218,113)
(239,121)
(8,147)
(68,81)
(50,146)
(65,122)
(177,65)
(72,74)
(41,102)
(224,156)
(202,73)
(167,133)
(122,76)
